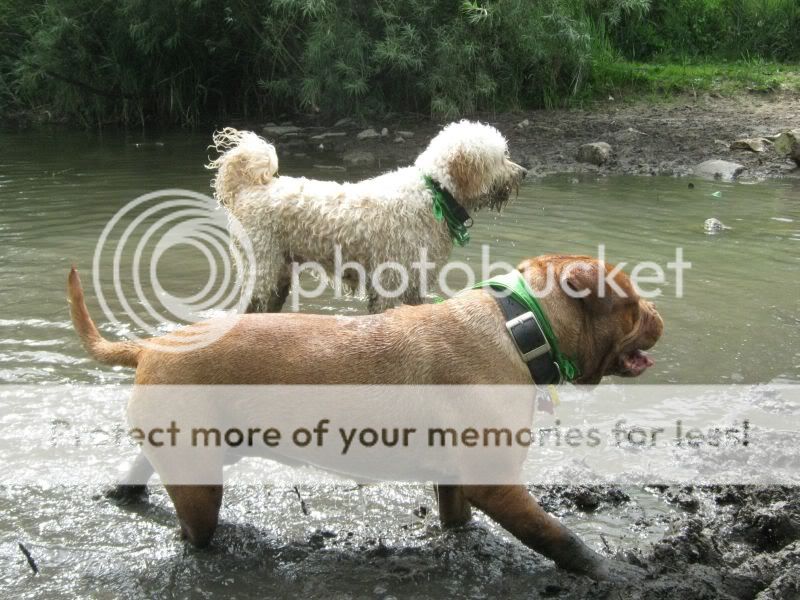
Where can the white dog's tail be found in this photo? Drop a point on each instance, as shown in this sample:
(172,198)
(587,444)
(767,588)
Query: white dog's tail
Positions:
(245,160)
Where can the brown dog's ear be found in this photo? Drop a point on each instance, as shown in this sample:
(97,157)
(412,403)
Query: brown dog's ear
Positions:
(525,265)
(466,173)
(585,281)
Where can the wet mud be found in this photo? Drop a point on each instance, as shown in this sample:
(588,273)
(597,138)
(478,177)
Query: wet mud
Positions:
(646,138)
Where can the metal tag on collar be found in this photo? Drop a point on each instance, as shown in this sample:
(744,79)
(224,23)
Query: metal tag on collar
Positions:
(559,382)
(536,352)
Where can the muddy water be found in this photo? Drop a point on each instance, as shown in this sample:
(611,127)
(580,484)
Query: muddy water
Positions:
(737,321)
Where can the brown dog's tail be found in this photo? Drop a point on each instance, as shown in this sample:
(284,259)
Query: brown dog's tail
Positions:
(110,353)
(245,160)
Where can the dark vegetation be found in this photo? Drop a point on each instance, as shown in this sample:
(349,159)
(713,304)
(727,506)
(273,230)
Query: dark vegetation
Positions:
(94,62)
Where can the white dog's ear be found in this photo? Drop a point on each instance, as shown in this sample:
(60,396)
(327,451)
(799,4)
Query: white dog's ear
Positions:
(466,172)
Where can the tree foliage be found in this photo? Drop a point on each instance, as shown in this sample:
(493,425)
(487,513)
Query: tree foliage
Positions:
(733,29)
(182,61)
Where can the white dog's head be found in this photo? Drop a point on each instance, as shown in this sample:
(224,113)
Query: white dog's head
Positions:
(470,160)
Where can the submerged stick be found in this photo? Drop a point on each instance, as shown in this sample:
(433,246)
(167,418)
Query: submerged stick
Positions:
(28,556)
(303,506)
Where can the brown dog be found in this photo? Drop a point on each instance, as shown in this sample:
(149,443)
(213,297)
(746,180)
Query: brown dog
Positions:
(604,333)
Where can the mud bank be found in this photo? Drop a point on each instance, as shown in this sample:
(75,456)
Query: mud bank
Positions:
(662,138)
(731,543)
(734,543)
(723,542)
(384,542)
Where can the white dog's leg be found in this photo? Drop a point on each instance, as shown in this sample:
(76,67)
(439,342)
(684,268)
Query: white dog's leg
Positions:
(378,302)
(273,280)
(271,298)
(411,296)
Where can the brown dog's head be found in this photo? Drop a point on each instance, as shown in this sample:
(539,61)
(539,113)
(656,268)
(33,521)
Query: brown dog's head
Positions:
(597,315)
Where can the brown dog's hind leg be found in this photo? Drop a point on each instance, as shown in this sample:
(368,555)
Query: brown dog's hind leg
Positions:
(197,507)
(454,508)
(517,511)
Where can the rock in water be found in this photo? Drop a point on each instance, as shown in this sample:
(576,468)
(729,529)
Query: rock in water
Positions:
(328,134)
(752,144)
(788,143)
(368,134)
(358,158)
(713,226)
(719,169)
(280,130)
(596,153)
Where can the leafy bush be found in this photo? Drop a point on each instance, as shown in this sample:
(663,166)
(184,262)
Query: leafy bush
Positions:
(732,29)
(182,61)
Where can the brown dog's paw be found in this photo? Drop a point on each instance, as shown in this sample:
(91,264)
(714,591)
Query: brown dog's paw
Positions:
(616,571)
(124,495)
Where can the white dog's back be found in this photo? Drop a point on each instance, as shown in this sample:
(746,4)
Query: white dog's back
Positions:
(386,221)
(369,221)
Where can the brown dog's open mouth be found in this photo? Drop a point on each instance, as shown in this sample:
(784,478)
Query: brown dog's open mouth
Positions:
(634,363)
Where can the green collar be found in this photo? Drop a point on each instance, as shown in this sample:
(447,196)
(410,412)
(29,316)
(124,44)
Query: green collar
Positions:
(447,208)
(521,292)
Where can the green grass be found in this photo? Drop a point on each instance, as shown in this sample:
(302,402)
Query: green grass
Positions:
(624,79)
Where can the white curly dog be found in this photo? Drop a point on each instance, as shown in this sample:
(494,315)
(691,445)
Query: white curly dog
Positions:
(386,220)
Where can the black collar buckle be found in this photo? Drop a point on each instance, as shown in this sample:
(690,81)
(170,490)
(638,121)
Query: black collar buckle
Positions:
(520,321)
(530,342)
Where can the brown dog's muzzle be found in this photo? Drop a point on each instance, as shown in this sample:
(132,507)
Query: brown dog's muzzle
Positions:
(634,360)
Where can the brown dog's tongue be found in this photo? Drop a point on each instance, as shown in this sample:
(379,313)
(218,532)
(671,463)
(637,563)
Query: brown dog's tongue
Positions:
(637,361)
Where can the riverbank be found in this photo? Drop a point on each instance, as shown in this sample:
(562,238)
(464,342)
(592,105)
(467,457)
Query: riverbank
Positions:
(647,137)
(731,542)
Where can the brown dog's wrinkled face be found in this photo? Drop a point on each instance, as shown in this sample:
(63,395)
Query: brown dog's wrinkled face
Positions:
(598,317)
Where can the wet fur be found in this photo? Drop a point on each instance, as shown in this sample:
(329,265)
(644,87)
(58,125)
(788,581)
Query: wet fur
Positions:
(406,345)
(385,219)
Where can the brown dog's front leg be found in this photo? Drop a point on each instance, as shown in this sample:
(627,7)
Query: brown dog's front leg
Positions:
(517,511)
(197,507)
(454,508)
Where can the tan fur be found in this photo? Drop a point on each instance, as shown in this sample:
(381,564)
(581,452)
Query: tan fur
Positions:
(407,345)
(465,174)
(125,354)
